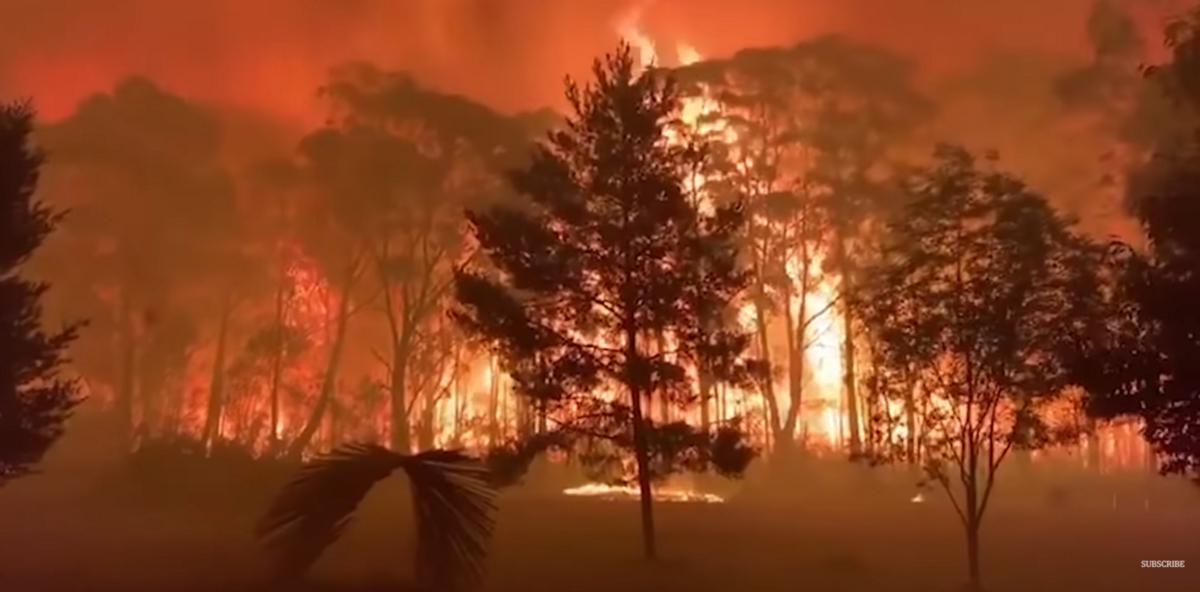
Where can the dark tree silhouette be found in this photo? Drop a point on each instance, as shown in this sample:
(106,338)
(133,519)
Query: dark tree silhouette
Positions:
(980,295)
(1148,364)
(35,399)
(452,503)
(602,279)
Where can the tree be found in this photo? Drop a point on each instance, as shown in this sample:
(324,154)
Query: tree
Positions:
(35,399)
(601,280)
(152,246)
(452,503)
(802,134)
(981,295)
(394,170)
(1145,364)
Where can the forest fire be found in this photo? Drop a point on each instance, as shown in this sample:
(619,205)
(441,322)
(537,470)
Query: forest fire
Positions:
(853,283)
(468,401)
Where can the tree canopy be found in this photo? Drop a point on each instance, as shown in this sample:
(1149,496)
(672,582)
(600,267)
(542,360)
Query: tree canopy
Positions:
(979,299)
(602,276)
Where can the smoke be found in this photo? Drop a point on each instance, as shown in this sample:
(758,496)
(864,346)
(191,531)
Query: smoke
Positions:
(260,63)
(270,55)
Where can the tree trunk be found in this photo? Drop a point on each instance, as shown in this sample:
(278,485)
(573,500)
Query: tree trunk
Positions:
(398,390)
(783,434)
(910,421)
(329,381)
(493,401)
(640,444)
(644,488)
(973,517)
(1093,446)
(849,377)
(277,359)
(427,432)
(128,363)
(974,582)
(797,341)
(768,386)
(706,397)
(216,389)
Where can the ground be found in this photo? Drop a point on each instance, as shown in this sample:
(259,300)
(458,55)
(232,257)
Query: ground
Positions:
(823,526)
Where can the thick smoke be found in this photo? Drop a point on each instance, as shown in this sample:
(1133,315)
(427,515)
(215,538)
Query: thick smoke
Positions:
(269,55)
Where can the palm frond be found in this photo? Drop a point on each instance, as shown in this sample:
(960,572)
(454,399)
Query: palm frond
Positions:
(313,510)
(454,506)
(452,501)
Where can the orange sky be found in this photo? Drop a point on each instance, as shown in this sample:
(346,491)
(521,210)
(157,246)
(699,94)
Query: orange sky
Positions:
(269,55)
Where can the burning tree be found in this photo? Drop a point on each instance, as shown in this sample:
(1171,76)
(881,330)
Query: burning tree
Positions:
(152,243)
(602,280)
(803,134)
(979,297)
(393,172)
(35,399)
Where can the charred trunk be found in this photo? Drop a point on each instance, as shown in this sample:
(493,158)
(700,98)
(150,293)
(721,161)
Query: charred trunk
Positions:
(398,391)
(216,389)
(849,376)
(126,392)
(764,354)
(329,381)
(493,402)
(641,445)
(277,358)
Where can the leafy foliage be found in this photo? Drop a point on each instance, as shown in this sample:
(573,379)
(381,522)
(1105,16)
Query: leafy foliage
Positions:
(1147,362)
(35,399)
(980,298)
(602,279)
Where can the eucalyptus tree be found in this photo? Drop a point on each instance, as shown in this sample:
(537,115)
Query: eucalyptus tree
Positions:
(805,135)
(981,298)
(393,170)
(153,247)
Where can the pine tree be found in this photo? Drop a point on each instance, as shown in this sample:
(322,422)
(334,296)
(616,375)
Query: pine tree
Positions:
(602,280)
(35,399)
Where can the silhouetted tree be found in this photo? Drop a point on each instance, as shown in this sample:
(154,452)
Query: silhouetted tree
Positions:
(602,279)
(35,399)
(452,503)
(981,295)
(1147,365)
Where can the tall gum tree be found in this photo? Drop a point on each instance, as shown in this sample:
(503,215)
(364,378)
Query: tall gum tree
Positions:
(395,168)
(804,135)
